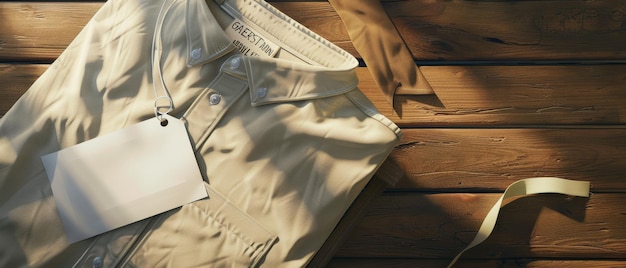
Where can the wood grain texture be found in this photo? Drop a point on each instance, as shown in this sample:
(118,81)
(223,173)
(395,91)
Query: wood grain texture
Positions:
(33,31)
(416,225)
(510,95)
(433,30)
(15,79)
(466,159)
(511,30)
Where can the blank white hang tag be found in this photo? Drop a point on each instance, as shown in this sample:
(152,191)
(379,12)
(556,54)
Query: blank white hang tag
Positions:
(123,177)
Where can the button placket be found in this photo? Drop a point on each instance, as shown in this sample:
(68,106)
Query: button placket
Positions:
(97,262)
(235,63)
(211,105)
(196,53)
(215,99)
(261,92)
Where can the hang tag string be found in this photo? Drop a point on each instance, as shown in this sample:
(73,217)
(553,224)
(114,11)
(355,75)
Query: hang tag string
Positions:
(523,187)
(156,38)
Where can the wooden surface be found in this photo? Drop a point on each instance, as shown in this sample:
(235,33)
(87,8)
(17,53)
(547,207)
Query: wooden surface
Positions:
(523,89)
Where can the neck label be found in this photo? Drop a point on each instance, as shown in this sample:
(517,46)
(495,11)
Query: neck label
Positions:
(249,41)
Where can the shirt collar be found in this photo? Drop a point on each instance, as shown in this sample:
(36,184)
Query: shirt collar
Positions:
(275,80)
(272,80)
(206,40)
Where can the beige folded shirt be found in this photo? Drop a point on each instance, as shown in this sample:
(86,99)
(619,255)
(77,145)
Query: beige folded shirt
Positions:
(284,143)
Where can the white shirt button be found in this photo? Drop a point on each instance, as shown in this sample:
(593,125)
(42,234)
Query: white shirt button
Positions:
(215,99)
(235,63)
(97,262)
(261,92)
(196,53)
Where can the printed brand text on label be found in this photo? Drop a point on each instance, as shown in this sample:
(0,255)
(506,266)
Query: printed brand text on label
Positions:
(249,41)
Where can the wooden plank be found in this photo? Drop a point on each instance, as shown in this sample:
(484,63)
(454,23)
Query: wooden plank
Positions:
(466,95)
(510,95)
(460,159)
(433,30)
(502,263)
(15,79)
(414,225)
(33,31)
(511,30)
